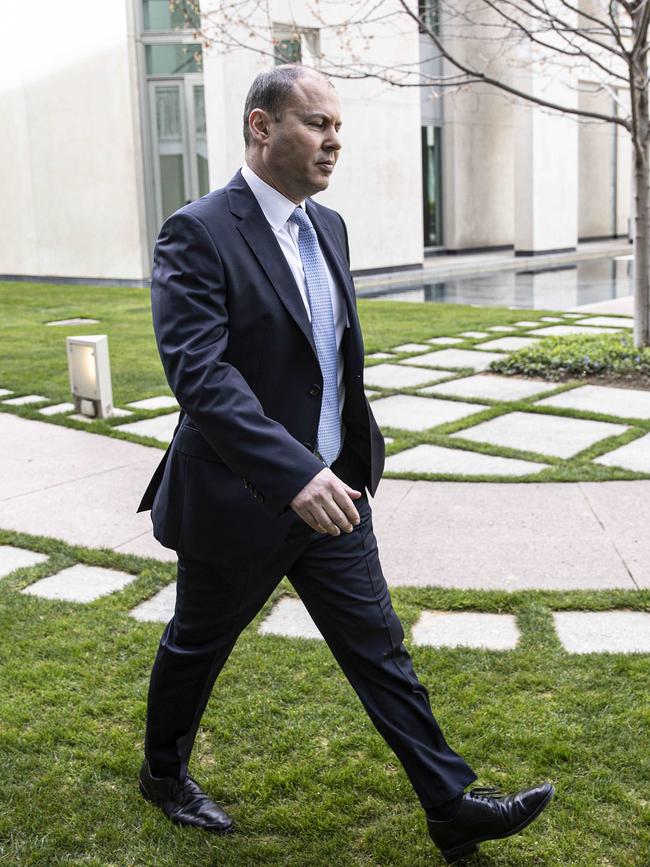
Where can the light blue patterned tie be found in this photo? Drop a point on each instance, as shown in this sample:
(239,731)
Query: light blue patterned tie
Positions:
(324,331)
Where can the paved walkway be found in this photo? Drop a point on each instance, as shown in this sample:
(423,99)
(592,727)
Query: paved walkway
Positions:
(84,488)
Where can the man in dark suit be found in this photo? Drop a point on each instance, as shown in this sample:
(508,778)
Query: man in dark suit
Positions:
(256,323)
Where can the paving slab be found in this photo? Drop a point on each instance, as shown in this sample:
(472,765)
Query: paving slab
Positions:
(57,409)
(608,321)
(159,428)
(80,583)
(84,418)
(634,456)
(5,391)
(474,334)
(501,328)
(445,341)
(410,347)
(291,619)
(370,393)
(158,609)
(25,400)
(623,402)
(76,321)
(455,358)
(545,434)
(571,315)
(12,558)
(508,536)
(427,458)
(603,631)
(527,323)
(409,412)
(565,330)
(508,344)
(389,440)
(380,355)
(616,306)
(465,629)
(550,319)
(163,401)
(396,376)
(491,387)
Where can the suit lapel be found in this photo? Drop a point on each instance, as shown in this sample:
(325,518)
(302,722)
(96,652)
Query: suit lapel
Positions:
(259,236)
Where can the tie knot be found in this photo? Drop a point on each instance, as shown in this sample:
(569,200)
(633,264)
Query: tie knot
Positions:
(301,219)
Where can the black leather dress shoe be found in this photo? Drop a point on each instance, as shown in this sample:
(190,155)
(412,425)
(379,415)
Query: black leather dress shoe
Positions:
(184,802)
(487,814)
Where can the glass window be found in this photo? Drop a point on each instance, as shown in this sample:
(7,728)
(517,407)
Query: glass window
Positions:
(431,199)
(201,141)
(171,14)
(174,58)
(287,45)
(428,13)
(171,147)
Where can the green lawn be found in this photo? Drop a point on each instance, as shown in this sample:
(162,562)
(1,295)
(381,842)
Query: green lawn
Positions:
(33,360)
(286,747)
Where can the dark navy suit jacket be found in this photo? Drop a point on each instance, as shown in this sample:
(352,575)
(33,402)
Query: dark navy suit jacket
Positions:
(238,352)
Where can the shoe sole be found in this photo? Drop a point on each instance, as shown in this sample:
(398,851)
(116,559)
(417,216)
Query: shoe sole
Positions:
(229,829)
(469,848)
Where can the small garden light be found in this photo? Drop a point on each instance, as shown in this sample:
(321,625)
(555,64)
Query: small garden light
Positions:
(90,375)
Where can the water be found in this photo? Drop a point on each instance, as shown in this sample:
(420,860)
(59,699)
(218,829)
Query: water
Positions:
(544,288)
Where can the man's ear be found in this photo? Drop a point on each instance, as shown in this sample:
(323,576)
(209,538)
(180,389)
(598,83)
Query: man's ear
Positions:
(258,124)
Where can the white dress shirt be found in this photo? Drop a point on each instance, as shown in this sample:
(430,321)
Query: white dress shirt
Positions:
(277,209)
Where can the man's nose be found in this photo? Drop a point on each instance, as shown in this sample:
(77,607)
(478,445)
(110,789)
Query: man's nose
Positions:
(333,141)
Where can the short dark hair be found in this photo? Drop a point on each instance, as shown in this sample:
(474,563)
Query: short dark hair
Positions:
(271,91)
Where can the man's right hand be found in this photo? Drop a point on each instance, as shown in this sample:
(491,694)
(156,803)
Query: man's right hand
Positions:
(325,503)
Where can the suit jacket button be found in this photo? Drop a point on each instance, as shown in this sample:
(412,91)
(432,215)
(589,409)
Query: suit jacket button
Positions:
(314,390)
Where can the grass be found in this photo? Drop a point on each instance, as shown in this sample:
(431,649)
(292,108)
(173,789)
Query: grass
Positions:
(286,747)
(33,361)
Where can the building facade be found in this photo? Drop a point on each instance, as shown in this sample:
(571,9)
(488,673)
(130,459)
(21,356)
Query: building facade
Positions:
(117,114)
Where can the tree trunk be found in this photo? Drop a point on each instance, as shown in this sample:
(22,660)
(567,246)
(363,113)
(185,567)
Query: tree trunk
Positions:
(641,249)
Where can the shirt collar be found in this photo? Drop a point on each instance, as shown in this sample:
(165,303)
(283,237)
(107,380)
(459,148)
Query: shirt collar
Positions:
(276,208)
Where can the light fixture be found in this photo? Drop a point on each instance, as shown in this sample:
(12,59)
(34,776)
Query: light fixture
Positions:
(90,375)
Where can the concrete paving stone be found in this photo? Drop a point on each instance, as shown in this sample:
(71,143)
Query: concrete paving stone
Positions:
(571,315)
(527,323)
(370,393)
(501,328)
(380,355)
(564,330)
(634,456)
(25,400)
(623,402)
(77,321)
(491,387)
(608,321)
(623,306)
(394,376)
(290,618)
(409,412)
(508,344)
(427,458)
(389,440)
(12,558)
(513,535)
(80,583)
(117,412)
(159,428)
(545,434)
(145,545)
(445,341)
(455,358)
(57,409)
(410,347)
(475,334)
(5,391)
(465,629)
(603,631)
(79,417)
(550,319)
(158,609)
(164,401)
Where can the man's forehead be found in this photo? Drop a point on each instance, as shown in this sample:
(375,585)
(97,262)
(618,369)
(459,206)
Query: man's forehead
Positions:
(314,93)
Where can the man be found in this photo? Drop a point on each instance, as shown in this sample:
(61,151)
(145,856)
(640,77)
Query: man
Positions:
(255,318)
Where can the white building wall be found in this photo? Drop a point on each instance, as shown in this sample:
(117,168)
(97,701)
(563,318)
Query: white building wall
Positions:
(70,154)
(377,184)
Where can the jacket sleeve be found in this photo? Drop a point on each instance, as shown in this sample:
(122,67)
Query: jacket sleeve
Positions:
(190,315)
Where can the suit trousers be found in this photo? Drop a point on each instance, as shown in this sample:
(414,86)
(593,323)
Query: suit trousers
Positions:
(340,581)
